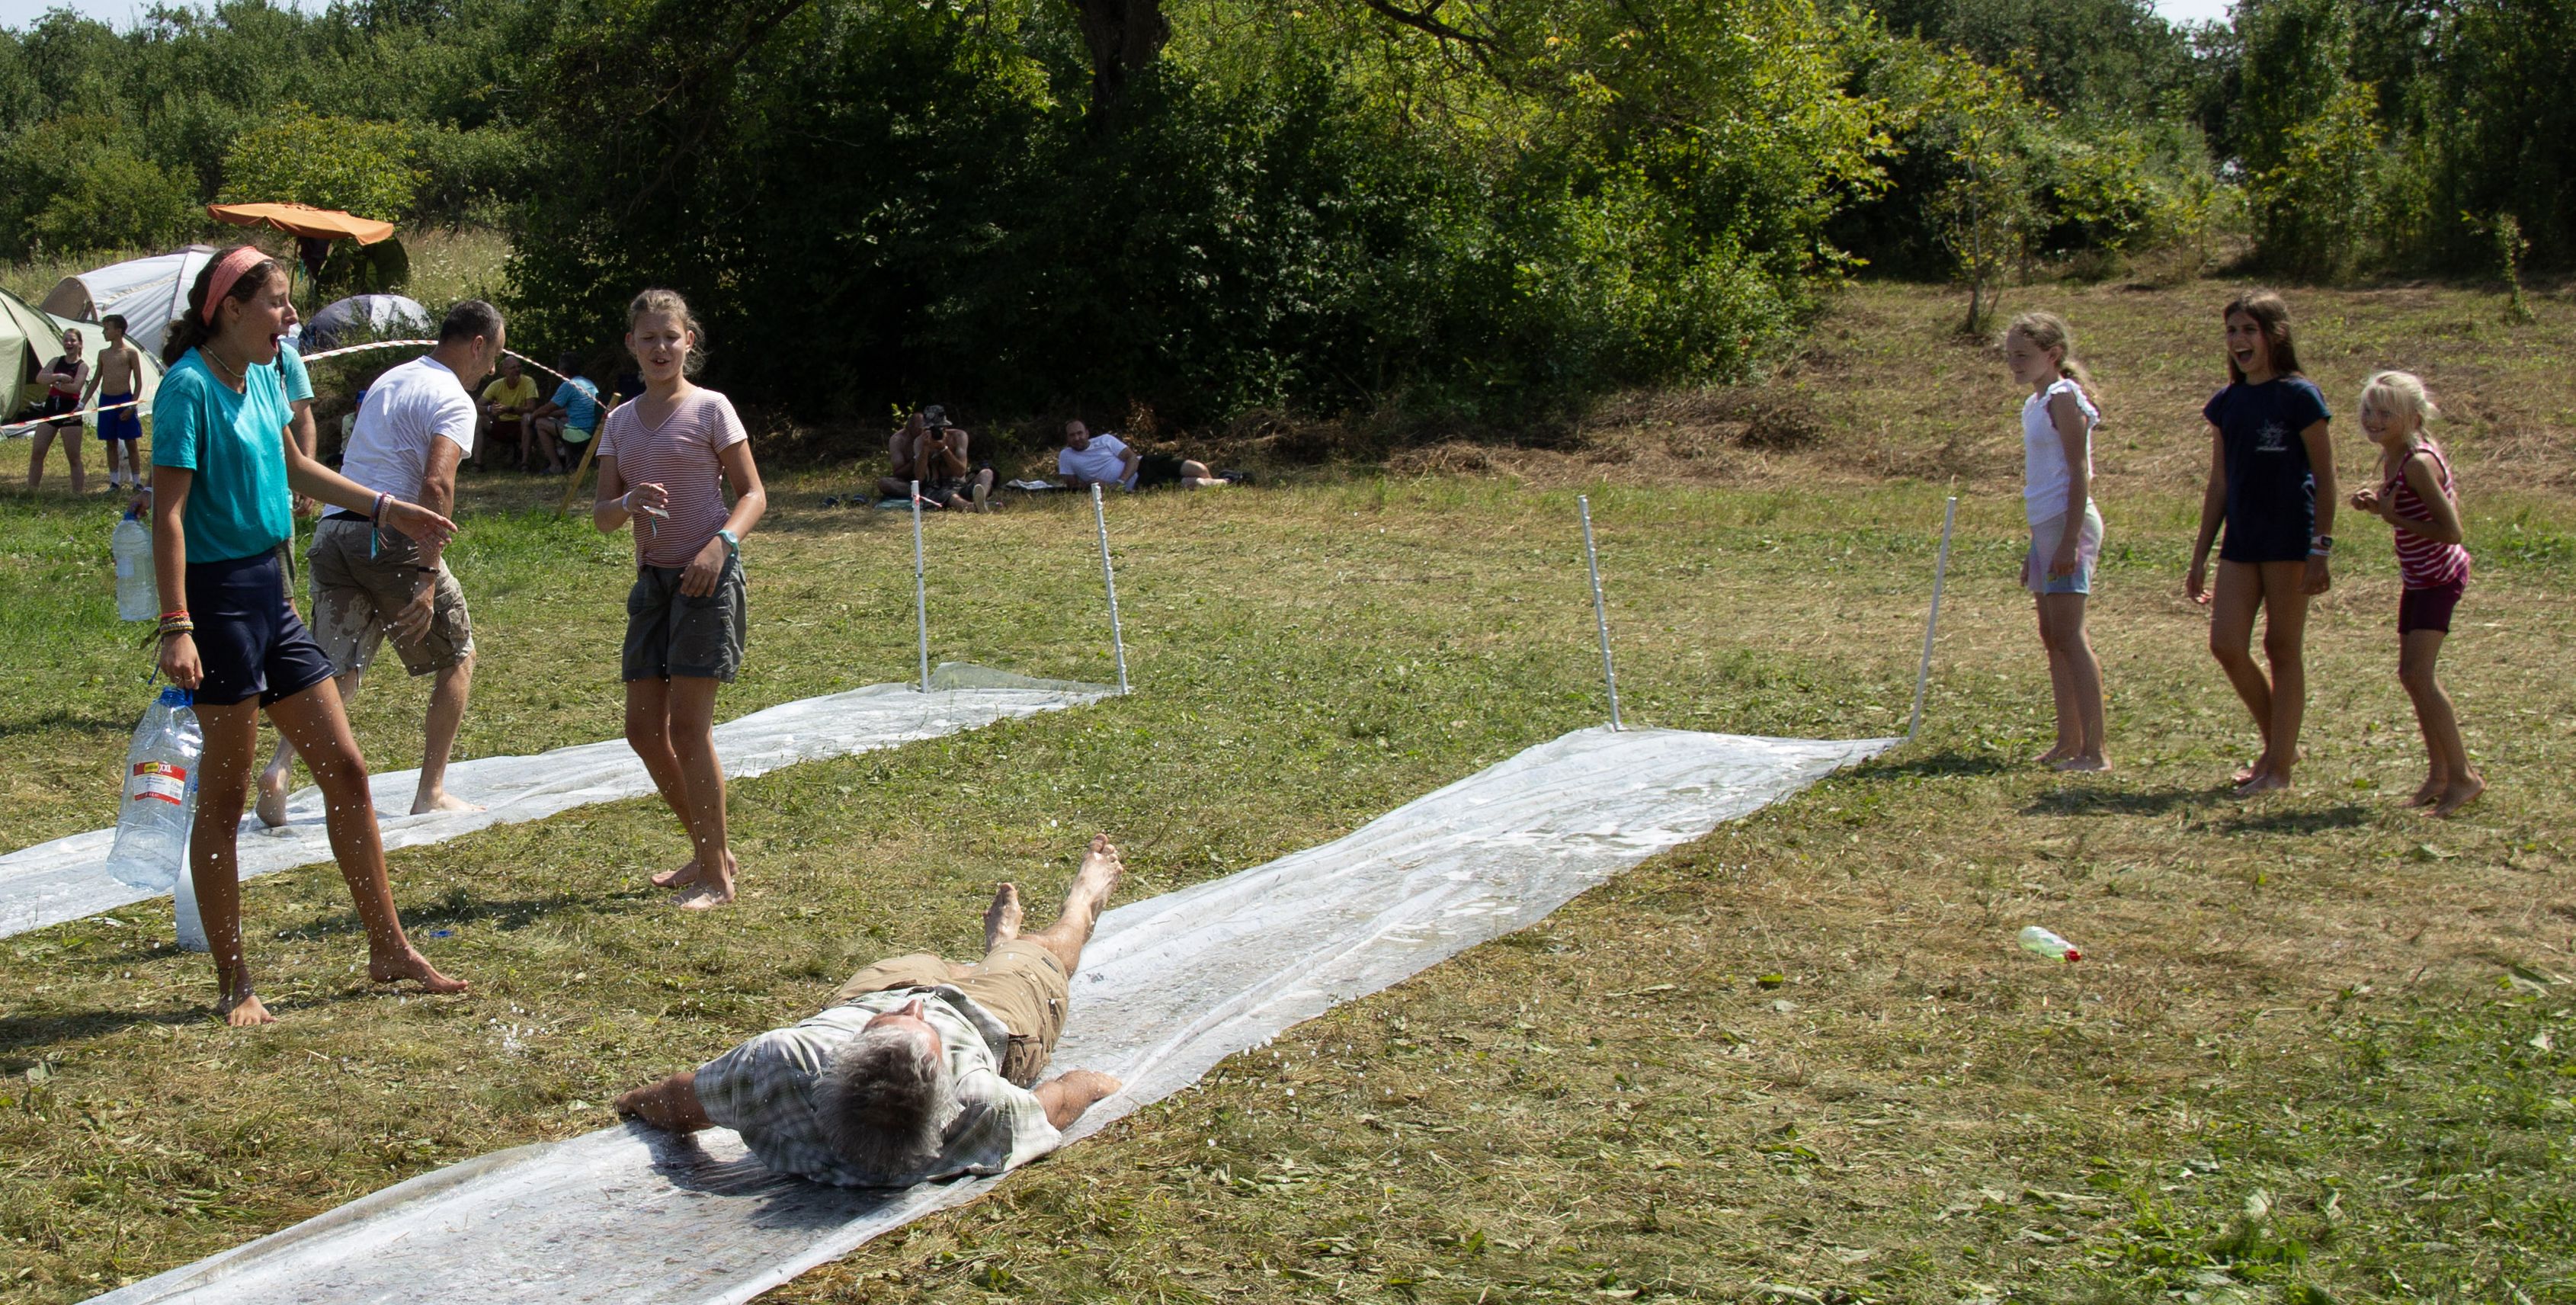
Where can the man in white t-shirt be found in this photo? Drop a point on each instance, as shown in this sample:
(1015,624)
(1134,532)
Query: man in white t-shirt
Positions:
(1106,460)
(416,424)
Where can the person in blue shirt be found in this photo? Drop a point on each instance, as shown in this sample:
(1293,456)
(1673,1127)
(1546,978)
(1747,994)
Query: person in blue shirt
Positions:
(2271,495)
(225,468)
(299,403)
(568,418)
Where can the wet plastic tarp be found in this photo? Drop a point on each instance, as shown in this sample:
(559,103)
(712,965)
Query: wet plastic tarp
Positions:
(1169,987)
(67,878)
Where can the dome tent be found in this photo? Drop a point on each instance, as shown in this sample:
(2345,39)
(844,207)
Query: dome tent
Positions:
(150,292)
(361,318)
(31,339)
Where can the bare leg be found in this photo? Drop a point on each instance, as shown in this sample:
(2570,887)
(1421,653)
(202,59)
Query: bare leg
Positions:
(314,722)
(44,439)
(1092,884)
(648,731)
(2460,783)
(671,724)
(1002,918)
(72,454)
(447,698)
(2233,601)
(2061,689)
(1195,475)
(2285,628)
(2071,659)
(214,866)
(277,778)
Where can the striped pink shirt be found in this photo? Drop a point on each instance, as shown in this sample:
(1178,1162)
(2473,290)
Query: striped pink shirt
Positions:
(2425,563)
(680,456)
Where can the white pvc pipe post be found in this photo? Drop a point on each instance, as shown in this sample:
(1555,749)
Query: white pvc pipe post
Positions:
(1109,581)
(1600,610)
(1932,623)
(920,594)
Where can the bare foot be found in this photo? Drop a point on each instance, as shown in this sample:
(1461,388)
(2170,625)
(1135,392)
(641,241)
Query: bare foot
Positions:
(271,804)
(2053,756)
(709,894)
(2462,792)
(686,873)
(442,800)
(2246,773)
(2431,792)
(413,966)
(244,1011)
(1002,918)
(2085,761)
(1100,871)
(2263,782)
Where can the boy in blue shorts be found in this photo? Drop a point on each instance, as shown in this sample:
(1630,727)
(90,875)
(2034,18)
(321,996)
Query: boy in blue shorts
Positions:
(117,381)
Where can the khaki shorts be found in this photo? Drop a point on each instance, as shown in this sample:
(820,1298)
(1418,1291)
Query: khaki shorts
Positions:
(355,595)
(1020,982)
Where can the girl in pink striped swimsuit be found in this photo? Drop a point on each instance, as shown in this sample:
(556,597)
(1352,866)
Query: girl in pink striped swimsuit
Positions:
(2415,494)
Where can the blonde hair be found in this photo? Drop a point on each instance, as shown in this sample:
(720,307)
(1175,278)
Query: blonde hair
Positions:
(659,300)
(2049,331)
(2400,392)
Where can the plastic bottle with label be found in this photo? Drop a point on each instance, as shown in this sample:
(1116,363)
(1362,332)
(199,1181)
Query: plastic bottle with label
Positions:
(2040,942)
(131,545)
(160,795)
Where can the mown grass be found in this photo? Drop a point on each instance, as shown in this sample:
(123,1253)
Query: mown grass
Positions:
(1797,1060)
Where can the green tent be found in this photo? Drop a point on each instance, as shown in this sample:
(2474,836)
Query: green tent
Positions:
(31,339)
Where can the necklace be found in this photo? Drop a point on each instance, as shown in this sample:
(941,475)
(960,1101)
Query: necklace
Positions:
(240,377)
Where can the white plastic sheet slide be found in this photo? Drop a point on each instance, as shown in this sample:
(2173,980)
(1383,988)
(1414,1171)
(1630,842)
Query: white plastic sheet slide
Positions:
(1169,987)
(67,879)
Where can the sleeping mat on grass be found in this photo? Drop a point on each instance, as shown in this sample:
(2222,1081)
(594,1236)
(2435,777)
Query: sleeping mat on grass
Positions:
(67,878)
(1169,987)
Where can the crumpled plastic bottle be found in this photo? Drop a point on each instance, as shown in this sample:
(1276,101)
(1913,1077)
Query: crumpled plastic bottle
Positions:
(2040,942)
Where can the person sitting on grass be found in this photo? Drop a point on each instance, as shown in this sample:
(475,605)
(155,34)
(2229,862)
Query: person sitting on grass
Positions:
(1106,460)
(507,404)
(937,455)
(918,1069)
(566,420)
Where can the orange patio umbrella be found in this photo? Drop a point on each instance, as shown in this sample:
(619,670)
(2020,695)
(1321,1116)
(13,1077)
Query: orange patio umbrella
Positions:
(304,220)
(313,228)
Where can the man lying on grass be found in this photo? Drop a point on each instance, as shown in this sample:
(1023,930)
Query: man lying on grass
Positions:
(918,1069)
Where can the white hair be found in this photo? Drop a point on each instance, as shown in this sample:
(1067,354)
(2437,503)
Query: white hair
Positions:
(885,1101)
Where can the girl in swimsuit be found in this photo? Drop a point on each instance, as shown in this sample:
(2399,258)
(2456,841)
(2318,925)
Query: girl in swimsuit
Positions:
(2415,493)
(2271,486)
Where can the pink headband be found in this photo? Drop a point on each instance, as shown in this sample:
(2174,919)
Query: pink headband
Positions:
(241,260)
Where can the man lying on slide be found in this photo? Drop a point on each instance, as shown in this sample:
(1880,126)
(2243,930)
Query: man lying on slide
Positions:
(918,1069)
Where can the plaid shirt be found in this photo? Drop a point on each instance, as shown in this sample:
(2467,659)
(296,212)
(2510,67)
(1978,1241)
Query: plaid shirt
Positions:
(764,1090)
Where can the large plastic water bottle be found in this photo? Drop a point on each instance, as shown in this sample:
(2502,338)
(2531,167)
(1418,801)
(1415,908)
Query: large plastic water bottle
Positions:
(160,795)
(136,596)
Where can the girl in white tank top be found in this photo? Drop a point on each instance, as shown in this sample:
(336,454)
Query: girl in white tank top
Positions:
(2057,421)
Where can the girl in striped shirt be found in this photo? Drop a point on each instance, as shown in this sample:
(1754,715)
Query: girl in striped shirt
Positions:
(2414,492)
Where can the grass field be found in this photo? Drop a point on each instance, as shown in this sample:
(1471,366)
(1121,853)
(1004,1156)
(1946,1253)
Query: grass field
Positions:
(2317,1050)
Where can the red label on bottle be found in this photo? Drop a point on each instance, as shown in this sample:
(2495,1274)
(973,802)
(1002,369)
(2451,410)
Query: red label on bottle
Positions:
(157,781)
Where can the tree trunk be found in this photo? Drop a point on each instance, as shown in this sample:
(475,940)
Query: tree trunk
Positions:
(1124,36)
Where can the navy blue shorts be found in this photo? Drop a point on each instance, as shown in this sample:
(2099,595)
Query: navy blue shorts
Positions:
(248,637)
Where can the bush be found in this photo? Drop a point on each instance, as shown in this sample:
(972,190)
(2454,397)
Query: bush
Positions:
(362,168)
(77,184)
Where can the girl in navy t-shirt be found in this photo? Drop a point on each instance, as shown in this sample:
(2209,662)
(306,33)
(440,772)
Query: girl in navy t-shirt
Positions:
(2271,486)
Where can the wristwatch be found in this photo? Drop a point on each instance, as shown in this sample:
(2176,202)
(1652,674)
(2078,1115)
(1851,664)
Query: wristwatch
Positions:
(2320,545)
(733,543)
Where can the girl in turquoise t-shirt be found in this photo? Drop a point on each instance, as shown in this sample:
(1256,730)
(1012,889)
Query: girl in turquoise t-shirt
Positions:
(225,468)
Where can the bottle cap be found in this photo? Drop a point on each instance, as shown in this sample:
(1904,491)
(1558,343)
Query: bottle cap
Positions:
(174,696)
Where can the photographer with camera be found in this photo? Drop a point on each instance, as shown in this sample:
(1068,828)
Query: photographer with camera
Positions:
(929,450)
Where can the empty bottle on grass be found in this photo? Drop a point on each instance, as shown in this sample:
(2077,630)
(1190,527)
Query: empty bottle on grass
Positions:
(131,546)
(160,794)
(2040,942)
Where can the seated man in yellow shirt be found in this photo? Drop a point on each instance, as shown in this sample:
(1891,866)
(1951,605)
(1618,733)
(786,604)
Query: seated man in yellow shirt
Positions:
(506,405)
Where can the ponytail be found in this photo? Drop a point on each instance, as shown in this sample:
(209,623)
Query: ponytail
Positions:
(2049,331)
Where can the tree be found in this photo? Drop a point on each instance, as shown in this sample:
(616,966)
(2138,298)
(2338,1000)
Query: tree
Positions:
(364,168)
(1124,36)
(82,183)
